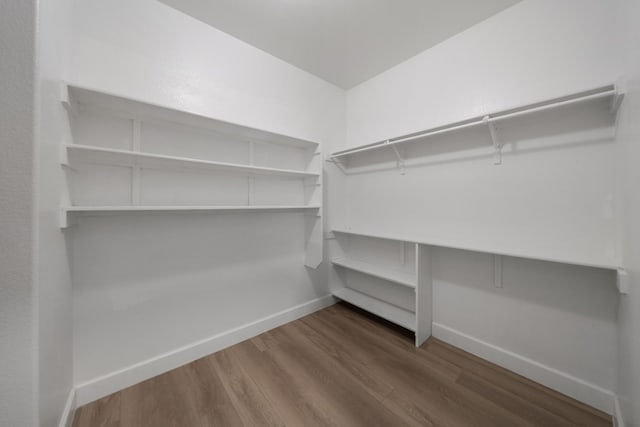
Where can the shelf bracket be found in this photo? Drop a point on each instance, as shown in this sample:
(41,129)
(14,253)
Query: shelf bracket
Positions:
(67,101)
(497,145)
(66,219)
(399,158)
(338,163)
(616,102)
(623,281)
(497,271)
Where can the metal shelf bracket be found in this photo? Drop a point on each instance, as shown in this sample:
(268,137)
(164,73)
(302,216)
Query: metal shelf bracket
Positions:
(338,164)
(497,145)
(399,158)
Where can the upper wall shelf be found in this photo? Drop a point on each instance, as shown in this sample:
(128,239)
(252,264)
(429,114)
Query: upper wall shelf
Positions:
(610,92)
(116,130)
(150,160)
(73,96)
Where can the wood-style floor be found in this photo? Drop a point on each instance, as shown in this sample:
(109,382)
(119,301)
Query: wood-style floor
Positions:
(338,367)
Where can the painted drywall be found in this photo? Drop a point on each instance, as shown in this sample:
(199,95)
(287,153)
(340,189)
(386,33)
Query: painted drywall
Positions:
(55,346)
(629,156)
(148,285)
(18,322)
(556,182)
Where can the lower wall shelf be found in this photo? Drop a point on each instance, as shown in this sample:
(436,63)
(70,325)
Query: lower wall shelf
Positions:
(396,276)
(387,311)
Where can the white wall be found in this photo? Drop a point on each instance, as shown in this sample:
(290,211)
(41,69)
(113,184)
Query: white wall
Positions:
(148,285)
(54,279)
(18,324)
(629,157)
(554,192)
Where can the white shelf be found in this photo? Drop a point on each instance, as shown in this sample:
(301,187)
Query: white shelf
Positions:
(571,258)
(150,160)
(396,276)
(87,210)
(185,208)
(608,93)
(79,96)
(387,311)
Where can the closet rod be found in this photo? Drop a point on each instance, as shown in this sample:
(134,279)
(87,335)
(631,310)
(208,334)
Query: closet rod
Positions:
(603,92)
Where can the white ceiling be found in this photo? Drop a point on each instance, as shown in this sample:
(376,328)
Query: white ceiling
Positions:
(342,41)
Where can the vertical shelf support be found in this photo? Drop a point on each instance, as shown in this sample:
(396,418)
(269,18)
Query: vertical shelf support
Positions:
(497,145)
(314,252)
(136,131)
(250,180)
(424,290)
(497,271)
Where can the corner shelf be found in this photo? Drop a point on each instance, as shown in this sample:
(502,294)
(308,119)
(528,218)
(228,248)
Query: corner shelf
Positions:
(396,276)
(605,263)
(387,311)
(151,160)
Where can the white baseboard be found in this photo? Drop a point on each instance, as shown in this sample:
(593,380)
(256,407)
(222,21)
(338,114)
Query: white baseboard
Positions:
(69,409)
(562,382)
(618,419)
(123,378)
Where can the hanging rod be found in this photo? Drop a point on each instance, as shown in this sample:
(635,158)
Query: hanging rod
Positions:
(601,92)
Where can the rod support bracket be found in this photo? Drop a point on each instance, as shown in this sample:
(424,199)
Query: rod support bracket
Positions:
(399,159)
(339,164)
(497,144)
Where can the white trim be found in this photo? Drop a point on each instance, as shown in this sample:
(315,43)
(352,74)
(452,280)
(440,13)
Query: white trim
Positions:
(618,418)
(107,384)
(69,410)
(555,379)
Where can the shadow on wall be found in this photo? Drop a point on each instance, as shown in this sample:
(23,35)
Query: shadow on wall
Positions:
(584,291)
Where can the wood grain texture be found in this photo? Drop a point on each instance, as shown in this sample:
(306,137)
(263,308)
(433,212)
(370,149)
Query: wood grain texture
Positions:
(338,367)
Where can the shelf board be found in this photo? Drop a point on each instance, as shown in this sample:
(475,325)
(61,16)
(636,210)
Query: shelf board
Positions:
(396,276)
(135,108)
(150,160)
(80,209)
(609,93)
(387,311)
(105,210)
(572,258)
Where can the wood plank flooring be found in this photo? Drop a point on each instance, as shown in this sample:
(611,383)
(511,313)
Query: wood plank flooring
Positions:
(338,367)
